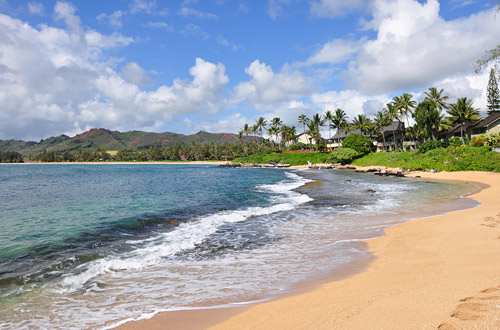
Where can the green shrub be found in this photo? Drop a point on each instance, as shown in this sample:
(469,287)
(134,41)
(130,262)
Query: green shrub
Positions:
(299,146)
(429,145)
(492,140)
(455,141)
(343,155)
(358,142)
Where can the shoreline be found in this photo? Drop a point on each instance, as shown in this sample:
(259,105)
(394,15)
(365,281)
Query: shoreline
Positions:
(315,304)
(166,162)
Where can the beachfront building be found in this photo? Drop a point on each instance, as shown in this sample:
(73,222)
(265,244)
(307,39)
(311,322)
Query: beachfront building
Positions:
(486,125)
(393,135)
(304,138)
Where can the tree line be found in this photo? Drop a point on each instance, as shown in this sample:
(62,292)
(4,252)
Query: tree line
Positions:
(177,152)
(10,157)
(433,115)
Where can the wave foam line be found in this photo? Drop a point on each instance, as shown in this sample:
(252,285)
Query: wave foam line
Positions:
(186,236)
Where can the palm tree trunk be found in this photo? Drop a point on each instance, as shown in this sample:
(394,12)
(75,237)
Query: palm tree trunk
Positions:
(394,138)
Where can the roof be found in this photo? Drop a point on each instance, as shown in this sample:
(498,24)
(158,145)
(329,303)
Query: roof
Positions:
(393,127)
(342,133)
(457,128)
(487,121)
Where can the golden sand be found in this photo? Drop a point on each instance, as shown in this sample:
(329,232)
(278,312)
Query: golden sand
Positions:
(440,272)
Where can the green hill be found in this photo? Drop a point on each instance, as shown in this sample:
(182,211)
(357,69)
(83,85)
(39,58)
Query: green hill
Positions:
(104,139)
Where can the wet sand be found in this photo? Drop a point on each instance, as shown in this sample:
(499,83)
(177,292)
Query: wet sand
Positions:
(440,272)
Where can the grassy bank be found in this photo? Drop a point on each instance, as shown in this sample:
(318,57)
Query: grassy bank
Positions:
(463,158)
(285,158)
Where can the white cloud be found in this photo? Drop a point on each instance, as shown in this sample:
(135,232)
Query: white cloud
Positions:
(337,8)
(189,11)
(224,42)
(114,19)
(36,8)
(335,51)
(351,101)
(142,6)
(266,87)
(134,74)
(415,46)
(275,8)
(158,25)
(202,94)
(61,80)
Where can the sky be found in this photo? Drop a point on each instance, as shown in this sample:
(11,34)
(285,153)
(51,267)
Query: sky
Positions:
(187,65)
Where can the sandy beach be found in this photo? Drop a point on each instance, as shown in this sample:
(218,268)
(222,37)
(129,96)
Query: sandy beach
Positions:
(440,272)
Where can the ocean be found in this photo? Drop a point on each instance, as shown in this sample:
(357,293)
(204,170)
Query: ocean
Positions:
(92,246)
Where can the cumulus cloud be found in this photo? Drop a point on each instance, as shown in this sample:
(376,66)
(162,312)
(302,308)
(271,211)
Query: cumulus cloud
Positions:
(267,87)
(62,80)
(134,74)
(351,101)
(201,94)
(337,8)
(415,46)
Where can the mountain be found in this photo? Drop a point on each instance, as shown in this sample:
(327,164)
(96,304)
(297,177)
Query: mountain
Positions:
(104,139)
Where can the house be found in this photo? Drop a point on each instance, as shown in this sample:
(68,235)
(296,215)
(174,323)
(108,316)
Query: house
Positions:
(487,125)
(392,133)
(396,128)
(304,138)
(456,131)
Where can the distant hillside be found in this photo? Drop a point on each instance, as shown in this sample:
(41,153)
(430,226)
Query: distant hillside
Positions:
(104,139)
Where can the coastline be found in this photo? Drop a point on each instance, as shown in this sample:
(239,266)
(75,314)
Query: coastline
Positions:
(187,162)
(437,272)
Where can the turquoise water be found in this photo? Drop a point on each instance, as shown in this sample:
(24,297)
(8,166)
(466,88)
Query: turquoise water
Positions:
(93,245)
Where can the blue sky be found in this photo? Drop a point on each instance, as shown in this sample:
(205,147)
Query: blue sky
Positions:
(190,65)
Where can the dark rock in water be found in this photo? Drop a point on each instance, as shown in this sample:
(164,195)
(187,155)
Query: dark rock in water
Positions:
(230,165)
(370,191)
(418,176)
(347,180)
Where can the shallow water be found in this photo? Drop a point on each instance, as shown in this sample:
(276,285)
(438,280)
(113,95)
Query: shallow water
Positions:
(90,245)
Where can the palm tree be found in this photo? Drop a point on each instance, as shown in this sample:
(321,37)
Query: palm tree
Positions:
(393,114)
(461,113)
(317,121)
(328,116)
(260,124)
(287,133)
(303,120)
(313,132)
(273,131)
(339,120)
(276,122)
(381,120)
(405,105)
(437,97)
(362,122)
